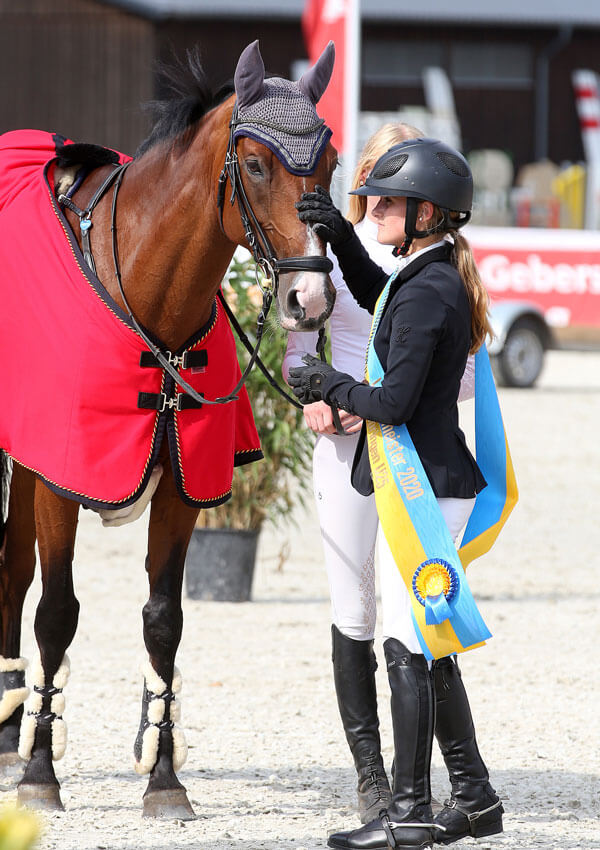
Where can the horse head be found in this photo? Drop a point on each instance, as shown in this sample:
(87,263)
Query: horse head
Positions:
(278,149)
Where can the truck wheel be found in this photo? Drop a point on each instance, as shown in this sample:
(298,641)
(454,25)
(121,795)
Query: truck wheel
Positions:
(522,357)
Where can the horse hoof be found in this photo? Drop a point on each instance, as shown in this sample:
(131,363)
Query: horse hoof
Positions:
(40,797)
(168,804)
(12,768)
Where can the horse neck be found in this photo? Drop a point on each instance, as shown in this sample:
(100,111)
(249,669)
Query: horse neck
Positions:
(173,253)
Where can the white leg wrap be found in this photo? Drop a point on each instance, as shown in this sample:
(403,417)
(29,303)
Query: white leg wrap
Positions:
(59,738)
(57,705)
(176,712)
(153,681)
(156,711)
(12,699)
(35,707)
(8,665)
(27,736)
(180,748)
(14,692)
(61,677)
(156,688)
(149,750)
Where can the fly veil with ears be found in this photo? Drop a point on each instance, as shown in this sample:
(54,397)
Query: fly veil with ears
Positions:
(281,115)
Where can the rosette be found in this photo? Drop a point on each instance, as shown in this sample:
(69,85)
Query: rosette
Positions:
(435,583)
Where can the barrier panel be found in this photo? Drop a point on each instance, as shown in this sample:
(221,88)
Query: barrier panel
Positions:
(557,270)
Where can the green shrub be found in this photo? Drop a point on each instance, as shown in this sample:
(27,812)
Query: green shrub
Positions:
(268,489)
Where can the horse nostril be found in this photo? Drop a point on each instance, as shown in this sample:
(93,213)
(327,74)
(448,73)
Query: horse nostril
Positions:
(295,309)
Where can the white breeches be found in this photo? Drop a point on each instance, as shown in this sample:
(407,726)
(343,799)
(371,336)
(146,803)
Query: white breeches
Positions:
(349,530)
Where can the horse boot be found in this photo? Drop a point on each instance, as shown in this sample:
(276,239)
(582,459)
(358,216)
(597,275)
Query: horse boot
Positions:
(474,808)
(13,694)
(407,823)
(354,667)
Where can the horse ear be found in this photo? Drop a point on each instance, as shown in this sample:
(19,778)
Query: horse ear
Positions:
(314,82)
(249,76)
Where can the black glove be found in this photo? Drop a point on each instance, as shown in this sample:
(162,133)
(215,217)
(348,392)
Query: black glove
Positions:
(318,209)
(306,381)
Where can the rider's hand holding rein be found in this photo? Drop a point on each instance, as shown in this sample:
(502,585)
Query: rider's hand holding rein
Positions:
(307,382)
(329,224)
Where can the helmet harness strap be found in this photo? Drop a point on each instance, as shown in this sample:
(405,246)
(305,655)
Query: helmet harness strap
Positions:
(411,232)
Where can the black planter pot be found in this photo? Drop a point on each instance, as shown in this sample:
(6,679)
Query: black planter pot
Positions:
(219,564)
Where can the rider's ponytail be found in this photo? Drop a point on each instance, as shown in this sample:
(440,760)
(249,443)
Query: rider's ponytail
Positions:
(462,257)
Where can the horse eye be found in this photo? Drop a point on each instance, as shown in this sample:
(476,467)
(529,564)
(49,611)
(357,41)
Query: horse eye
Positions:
(253,167)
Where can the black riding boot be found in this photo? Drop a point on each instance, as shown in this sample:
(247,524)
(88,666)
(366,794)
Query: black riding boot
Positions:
(474,808)
(354,668)
(408,823)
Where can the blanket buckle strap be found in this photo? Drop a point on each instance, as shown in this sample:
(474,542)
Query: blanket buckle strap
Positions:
(161,402)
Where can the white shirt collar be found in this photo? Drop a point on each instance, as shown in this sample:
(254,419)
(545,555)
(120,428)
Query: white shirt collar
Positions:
(404,261)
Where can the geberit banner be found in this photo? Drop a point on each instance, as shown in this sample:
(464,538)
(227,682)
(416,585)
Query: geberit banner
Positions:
(558,270)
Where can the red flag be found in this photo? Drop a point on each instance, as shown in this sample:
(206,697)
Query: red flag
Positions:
(322,21)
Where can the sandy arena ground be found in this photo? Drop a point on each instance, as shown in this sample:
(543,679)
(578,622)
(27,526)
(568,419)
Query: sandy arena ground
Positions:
(268,765)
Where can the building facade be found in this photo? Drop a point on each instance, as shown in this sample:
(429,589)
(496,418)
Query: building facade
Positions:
(85,67)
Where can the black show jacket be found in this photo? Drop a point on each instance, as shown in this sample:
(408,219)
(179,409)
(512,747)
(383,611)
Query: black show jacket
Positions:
(422,341)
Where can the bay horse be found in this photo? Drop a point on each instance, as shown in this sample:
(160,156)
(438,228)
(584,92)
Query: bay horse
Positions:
(215,173)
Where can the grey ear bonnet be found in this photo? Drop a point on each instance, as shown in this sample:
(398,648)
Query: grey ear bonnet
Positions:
(426,169)
(281,114)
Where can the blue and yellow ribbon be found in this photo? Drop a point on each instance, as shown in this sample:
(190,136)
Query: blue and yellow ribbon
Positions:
(496,501)
(444,612)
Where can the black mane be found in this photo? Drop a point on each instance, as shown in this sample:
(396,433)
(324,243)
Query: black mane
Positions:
(81,153)
(191,97)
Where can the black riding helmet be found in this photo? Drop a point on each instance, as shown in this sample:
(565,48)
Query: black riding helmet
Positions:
(423,170)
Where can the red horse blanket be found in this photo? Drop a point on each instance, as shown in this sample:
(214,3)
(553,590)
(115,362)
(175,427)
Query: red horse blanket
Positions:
(71,371)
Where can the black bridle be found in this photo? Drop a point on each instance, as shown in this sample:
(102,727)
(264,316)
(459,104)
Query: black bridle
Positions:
(258,241)
(268,269)
(264,257)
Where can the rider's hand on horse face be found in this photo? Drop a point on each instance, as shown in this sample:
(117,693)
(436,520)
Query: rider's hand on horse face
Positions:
(329,224)
(307,381)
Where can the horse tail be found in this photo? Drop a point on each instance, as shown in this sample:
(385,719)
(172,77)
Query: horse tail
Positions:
(5,476)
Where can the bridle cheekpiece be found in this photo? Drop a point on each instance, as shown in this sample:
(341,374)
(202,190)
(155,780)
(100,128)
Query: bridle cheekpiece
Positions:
(258,242)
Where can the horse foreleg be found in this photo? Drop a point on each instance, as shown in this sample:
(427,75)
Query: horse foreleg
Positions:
(17,564)
(43,733)
(160,747)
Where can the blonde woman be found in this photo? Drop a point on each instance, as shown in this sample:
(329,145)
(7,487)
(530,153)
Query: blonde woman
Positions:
(435,315)
(347,519)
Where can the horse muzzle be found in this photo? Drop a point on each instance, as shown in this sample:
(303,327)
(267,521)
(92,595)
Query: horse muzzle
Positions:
(306,303)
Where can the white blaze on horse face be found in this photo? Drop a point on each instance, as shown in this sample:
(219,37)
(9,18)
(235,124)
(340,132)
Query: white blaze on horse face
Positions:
(310,293)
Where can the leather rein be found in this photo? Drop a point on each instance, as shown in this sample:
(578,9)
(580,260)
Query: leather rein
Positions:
(268,269)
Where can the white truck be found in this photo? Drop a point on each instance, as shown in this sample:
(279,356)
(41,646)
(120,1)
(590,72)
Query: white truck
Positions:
(544,286)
